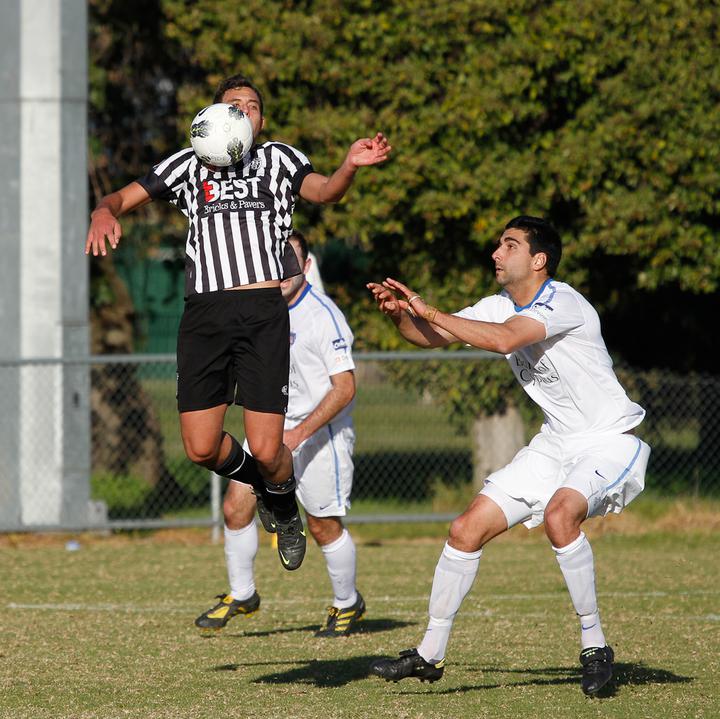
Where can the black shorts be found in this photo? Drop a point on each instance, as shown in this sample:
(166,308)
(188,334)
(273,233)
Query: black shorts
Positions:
(234,346)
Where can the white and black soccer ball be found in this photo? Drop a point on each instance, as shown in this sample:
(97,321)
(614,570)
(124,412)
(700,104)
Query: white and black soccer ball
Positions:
(221,134)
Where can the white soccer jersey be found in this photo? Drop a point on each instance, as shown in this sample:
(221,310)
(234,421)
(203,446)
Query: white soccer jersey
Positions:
(569,373)
(320,346)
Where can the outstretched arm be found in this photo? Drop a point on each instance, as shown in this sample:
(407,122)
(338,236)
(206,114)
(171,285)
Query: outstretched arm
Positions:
(412,327)
(103,219)
(503,337)
(367,151)
(338,397)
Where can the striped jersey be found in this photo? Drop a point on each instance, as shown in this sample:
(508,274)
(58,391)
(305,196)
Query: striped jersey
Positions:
(239,217)
(320,346)
(569,373)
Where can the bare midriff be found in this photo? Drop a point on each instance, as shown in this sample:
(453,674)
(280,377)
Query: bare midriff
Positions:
(257,285)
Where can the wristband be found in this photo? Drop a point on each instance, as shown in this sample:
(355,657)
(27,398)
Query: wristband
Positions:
(429,314)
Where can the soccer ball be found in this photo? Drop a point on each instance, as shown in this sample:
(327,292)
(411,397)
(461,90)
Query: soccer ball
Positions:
(221,135)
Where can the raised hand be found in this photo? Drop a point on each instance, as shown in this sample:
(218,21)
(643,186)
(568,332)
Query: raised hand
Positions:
(409,300)
(369,151)
(103,225)
(386,301)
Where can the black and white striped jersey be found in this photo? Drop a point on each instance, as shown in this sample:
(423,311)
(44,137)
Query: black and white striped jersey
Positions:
(239,217)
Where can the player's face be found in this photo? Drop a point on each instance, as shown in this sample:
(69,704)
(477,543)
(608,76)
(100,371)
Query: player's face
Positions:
(247,100)
(513,261)
(291,287)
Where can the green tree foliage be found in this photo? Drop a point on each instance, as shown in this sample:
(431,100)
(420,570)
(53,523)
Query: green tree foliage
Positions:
(601,116)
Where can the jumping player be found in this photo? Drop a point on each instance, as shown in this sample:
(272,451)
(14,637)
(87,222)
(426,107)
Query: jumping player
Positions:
(585,462)
(233,338)
(319,431)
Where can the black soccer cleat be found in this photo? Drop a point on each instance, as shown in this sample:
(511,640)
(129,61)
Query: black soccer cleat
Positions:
(266,516)
(219,615)
(410,664)
(340,622)
(291,542)
(597,668)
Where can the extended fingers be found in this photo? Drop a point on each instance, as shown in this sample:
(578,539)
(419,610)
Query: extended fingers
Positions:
(392,284)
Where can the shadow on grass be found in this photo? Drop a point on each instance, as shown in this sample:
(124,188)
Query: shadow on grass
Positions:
(367,626)
(320,673)
(624,675)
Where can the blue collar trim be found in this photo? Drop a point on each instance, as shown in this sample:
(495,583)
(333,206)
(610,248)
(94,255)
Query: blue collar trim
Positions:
(537,294)
(307,289)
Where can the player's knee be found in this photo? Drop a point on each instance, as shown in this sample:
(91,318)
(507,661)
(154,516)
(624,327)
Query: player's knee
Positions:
(561,526)
(238,512)
(460,535)
(267,454)
(202,451)
(324,530)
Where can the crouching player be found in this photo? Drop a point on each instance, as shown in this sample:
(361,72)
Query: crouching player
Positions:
(585,462)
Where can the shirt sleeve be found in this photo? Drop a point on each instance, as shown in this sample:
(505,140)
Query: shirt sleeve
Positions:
(488,309)
(560,312)
(297,165)
(166,180)
(335,339)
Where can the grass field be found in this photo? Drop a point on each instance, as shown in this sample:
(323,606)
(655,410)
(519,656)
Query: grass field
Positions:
(107,631)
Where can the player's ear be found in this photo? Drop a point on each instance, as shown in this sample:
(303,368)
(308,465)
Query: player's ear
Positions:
(539,260)
(306,267)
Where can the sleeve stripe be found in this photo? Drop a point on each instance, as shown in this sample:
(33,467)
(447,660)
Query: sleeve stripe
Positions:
(330,312)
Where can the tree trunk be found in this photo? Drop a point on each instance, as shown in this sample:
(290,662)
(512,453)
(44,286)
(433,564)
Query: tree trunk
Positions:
(496,440)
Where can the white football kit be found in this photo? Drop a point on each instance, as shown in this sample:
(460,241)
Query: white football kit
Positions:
(584,441)
(320,346)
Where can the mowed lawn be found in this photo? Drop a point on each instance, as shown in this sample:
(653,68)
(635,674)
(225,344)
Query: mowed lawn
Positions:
(107,631)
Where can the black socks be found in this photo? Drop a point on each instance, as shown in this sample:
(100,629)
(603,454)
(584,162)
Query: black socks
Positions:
(242,467)
(281,499)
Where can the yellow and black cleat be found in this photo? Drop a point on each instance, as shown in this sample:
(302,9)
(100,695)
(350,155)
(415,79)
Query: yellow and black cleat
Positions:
(219,615)
(340,622)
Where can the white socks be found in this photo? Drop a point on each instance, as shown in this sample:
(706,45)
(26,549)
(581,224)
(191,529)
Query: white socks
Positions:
(576,564)
(241,546)
(454,575)
(341,566)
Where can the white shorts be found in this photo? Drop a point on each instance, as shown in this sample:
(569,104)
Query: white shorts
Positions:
(324,471)
(608,470)
(323,468)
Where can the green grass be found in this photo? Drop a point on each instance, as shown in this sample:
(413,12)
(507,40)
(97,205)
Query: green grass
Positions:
(107,631)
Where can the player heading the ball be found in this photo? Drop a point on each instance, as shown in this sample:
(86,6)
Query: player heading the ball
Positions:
(233,342)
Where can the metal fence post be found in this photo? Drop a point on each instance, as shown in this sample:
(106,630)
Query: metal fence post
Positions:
(215,506)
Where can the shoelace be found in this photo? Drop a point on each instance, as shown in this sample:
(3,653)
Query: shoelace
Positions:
(287,528)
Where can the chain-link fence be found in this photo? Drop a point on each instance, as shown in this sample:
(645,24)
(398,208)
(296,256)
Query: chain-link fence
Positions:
(416,457)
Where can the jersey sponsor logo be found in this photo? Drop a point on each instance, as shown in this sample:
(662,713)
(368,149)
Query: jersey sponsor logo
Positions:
(293,335)
(541,373)
(339,344)
(232,195)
